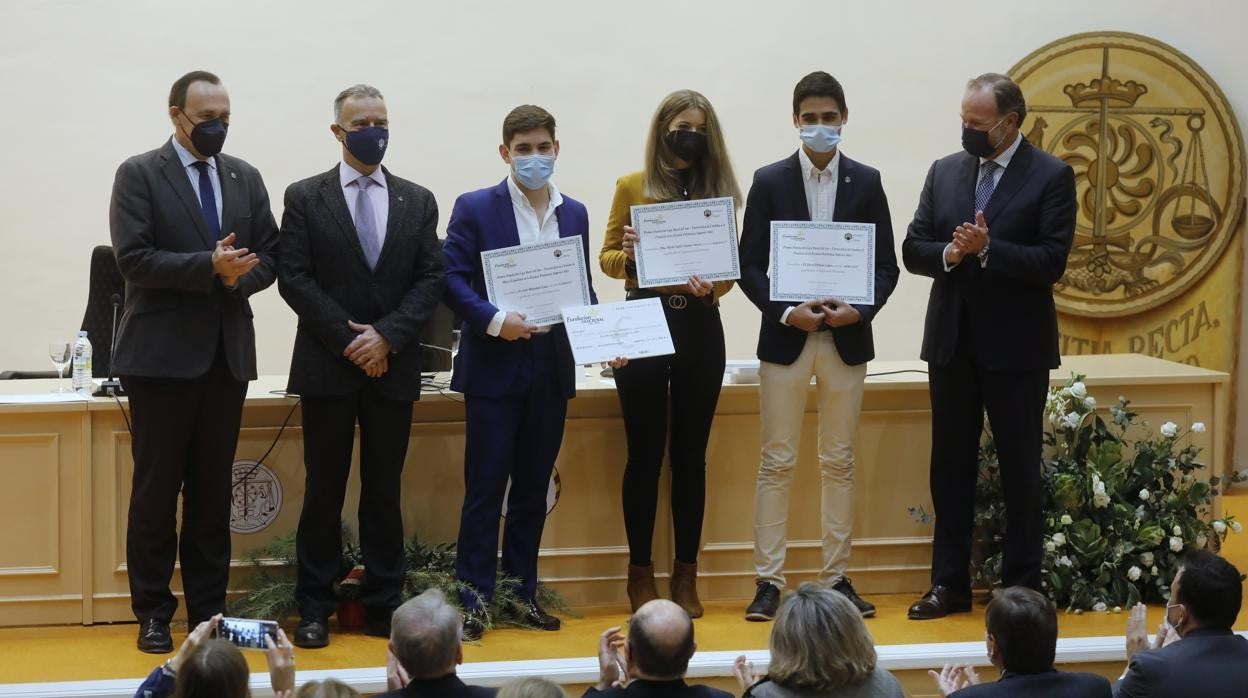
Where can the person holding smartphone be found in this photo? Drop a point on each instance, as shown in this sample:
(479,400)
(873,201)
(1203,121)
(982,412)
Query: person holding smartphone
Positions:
(685,159)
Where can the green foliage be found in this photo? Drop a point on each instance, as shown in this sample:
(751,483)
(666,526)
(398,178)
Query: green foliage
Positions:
(269,589)
(1121,504)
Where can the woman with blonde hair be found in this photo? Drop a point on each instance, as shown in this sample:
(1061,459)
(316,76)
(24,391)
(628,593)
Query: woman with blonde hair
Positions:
(685,159)
(329,688)
(531,688)
(820,648)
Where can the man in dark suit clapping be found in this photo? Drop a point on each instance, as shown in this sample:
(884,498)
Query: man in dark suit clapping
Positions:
(194,238)
(993,227)
(361,267)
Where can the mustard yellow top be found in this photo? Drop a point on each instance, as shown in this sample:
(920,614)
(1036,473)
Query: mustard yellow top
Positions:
(616,264)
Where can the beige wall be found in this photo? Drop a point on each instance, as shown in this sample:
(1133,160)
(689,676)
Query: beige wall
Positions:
(84,85)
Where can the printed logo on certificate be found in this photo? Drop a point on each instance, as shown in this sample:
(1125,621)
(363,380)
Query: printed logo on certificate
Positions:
(628,329)
(539,280)
(680,239)
(823,259)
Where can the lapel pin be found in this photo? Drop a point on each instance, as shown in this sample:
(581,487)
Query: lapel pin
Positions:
(400,199)
(233,175)
(847,179)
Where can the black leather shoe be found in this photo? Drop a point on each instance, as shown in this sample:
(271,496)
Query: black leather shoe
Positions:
(938,602)
(766,602)
(312,633)
(154,637)
(846,589)
(474,626)
(535,617)
(377,622)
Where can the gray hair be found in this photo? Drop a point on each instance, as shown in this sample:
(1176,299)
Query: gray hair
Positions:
(425,635)
(819,642)
(531,688)
(360,90)
(1008,94)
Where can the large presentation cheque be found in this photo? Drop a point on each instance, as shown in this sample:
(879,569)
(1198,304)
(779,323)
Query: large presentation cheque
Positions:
(537,280)
(812,260)
(681,239)
(628,329)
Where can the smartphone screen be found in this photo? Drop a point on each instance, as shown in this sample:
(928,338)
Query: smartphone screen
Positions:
(247,633)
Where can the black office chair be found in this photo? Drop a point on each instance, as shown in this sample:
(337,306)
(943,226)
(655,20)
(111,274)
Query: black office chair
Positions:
(105,281)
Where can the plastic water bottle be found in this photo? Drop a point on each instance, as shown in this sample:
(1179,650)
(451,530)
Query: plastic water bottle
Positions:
(82,363)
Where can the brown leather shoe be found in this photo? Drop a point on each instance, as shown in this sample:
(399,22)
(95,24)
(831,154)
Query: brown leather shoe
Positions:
(685,588)
(938,602)
(641,586)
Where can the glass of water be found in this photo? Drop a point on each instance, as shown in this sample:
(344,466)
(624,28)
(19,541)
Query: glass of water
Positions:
(59,353)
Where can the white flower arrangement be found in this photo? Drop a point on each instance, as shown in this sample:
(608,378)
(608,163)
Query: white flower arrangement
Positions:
(1176,544)
(1169,430)
(1133,573)
(1198,427)
(1066,520)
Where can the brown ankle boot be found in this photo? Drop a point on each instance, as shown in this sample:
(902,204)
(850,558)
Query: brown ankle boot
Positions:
(641,587)
(685,588)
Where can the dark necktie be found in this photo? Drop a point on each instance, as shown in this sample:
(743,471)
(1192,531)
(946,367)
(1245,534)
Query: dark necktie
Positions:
(983,190)
(208,200)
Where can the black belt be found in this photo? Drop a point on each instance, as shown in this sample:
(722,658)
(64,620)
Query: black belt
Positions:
(675,301)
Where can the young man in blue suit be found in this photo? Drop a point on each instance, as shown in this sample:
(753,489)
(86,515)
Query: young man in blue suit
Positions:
(826,338)
(516,377)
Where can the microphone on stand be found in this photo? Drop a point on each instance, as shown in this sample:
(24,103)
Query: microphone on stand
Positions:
(110,386)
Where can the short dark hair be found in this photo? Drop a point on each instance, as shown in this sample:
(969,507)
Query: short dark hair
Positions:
(659,660)
(1211,589)
(1007,92)
(818,84)
(1023,623)
(526,117)
(177,93)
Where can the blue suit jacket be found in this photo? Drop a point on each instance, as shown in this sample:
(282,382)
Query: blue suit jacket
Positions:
(489,366)
(779,194)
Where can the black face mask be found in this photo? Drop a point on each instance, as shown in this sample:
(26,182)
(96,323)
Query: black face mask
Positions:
(208,137)
(689,146)
(976,142)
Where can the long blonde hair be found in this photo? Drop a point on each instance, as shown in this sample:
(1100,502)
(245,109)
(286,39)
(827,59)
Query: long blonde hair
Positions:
(713,172)
(819,641)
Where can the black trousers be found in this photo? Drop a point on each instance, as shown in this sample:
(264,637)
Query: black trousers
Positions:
(691,378)
(184,434)
(328,440)
(960,393)
(513,439)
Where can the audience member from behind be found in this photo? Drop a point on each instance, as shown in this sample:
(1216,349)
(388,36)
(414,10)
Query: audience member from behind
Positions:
(819,648)
(653,659)
(1210,661)
(1022,641)
(208,668)
(329,688)
(425,647)
(531,688)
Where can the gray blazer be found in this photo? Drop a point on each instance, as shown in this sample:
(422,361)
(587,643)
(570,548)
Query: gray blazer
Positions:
(880,684)
(177,311)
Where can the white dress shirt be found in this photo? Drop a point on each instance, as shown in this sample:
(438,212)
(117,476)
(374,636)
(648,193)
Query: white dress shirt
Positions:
(820,188)
(531,231)
(1004,161)
(192,173)
(377,195)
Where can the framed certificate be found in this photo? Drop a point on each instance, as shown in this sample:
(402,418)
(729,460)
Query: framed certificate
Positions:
(629,329)
(537,280)
(681,239)
(812,260)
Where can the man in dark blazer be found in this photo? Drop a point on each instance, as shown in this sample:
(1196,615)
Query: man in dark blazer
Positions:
(425,649)
(360,266)
(516,378)
(194,238)
(1209,659)
(653,659)
(1022,643)
(993,227)
(825,338)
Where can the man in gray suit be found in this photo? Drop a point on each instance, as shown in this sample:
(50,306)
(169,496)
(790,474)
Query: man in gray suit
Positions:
(361,266)
(194,238)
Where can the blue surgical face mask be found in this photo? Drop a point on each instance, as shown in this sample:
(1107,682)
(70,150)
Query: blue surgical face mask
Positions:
(368,145)
(533,171)
(820,138)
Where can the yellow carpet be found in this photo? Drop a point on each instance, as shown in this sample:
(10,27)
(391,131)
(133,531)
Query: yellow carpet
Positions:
(70,653)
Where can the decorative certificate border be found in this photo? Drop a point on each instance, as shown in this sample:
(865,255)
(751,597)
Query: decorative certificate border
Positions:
(774,277)
(730,214)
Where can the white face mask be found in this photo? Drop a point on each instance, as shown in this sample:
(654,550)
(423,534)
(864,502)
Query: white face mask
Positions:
(820,137)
